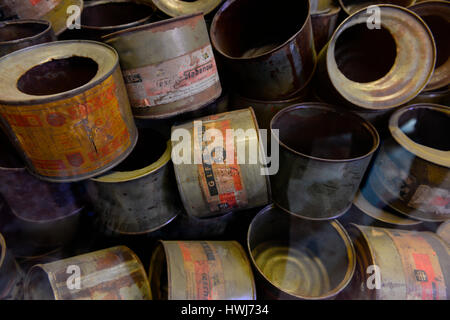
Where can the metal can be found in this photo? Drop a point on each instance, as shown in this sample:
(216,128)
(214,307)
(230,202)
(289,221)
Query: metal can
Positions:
(58,12)
(402,265)
(168,66)
(297,258)
(324,154)
(351,6)
(137,196)
(64,105)
(436,14)
(110,274)
(215,178)
(11,277)
(324,18)
(18,34)
(201,270)
(438,96)
(274,57)
(175,8)
(444,231)
(411,171)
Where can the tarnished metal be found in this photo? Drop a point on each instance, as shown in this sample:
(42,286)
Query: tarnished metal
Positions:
(168,66)
(444,231)
(54,11)
(299,259)
(201,270)
(18,34)
(65,107)
(408,265)
(411,171)
(175,8)
(351,6)
(324,153)
(273,58)
(11,277)
(103,17)
(137,196)
(375,70)
(324,18)
(436,14)
(211,184)
(110,274)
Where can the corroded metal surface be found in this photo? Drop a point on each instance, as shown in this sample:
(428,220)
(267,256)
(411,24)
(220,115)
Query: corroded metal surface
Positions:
(110,274)
(66,130)
(175,8)
(201,270)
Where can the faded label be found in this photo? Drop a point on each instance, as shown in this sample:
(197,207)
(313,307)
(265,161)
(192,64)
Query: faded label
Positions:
(172,80)
(427,199)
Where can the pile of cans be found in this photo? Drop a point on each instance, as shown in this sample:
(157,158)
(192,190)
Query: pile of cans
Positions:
(145,143)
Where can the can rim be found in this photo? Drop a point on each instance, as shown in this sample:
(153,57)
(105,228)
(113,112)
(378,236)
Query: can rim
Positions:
(169,6)
(3,249)
(25,21)
(348,12)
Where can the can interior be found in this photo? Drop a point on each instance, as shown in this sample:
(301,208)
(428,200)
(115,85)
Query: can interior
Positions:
(428,127)
(16,31)
(57,75)
(364,55)
(304,258)
(439,27)
(261,26)
(114,14)
(323,133)
(158,274)
(38,285)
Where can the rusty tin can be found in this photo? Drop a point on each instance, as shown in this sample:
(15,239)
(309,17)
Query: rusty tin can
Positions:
(64,105)
(324,153)
(137,196)
(436,14)
(274,57)
(353,71)
(351,6)
(168,66)
(299,259)
(56,11)
(215,178)
(110,274)
(444,231)
(324,18)
(11,276)
(401,265)
(201,270)
(411,171)
(175,8)
(18,34)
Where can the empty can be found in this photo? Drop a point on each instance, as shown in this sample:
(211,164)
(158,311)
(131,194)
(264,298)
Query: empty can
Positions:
(324,18)
(201,270)
(299,259)
(64,105)
(175,8)
(324,153)
(110,274)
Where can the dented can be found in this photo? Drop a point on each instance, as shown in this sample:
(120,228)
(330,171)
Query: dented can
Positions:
(137,196)
(168,66)
(351,6)
(324,18)
(297,258)
(273,58)
(201,270)
(11,277)
(217,178)
(175,8)
(110,274)
(411,171)
(69,117)
(18,34)
(403,265)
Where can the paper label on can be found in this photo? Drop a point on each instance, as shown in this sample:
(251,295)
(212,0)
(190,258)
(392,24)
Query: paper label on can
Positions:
(203,270)
(172,80)
(423,273)
(74,136)
(427,198)
(221,183)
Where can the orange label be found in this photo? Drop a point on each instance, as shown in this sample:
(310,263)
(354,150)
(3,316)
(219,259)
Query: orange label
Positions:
(74,136)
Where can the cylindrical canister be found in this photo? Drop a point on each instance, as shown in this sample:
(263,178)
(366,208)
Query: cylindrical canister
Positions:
(398,264)
(168,66)
(324,18)
(65,107)
(175,8)
(139,195)
(444,231)
(201,270)
(436,14)
(411,170)
(217,161)
(297,258)
(351,6)
(273,57)
(18,34)
(11,277)
(110,274)
(324,153)
(58,12)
